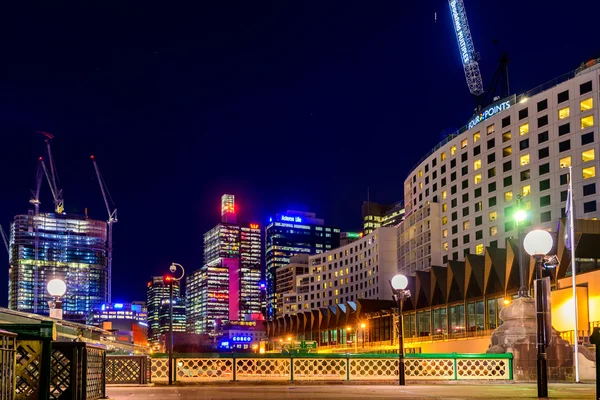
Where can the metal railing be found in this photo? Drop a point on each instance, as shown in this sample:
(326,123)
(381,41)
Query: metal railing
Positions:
(77,371)
(128,370)
(333,367)
(8,352)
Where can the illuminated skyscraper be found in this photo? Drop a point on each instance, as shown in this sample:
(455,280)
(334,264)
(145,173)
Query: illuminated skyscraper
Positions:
(288,234)
(68,247)
(158,309)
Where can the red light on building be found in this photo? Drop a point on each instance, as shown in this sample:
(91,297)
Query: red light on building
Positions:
(168,278)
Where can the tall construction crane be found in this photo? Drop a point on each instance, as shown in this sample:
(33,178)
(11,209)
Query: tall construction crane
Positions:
(35,200)
(468,54)
(35,194)
(52,176)
(5,239)
(112,218)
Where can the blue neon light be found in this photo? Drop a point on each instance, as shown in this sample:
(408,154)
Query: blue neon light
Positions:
(291,219)
(118,305)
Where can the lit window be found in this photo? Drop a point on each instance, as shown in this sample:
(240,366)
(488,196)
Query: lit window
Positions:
(524,129)
(565,162)
(490,129)
(443,156)
(466,225)
(420,173)
(493,230)
(493,215)
(479,249)
(445,246)
(564,113)
(589,172)
(507,151)
(508,196)
(506,137)
(586,104)
(463,144)
(445,233)
(477,136)
(526,190)
(477,179)
(477,165)
(420,185)
(586,122)
(588,155)
(444,220)
(452,150)
(444,207)
(444,194)
(524,160)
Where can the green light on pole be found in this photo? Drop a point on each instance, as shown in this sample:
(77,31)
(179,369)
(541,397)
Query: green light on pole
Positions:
(520,216)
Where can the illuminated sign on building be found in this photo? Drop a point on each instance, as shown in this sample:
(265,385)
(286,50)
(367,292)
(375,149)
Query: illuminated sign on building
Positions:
(460,33)
(492,110)
(353,235)
(291,219)
(253,226)
(245,339)
(118,305)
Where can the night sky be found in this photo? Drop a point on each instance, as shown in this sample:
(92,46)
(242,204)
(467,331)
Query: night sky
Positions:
(299,105)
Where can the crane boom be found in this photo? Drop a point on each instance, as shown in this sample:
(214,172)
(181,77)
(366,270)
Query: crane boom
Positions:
(112,218)
(35,195)
(5,239)
(52,176)
(468,54)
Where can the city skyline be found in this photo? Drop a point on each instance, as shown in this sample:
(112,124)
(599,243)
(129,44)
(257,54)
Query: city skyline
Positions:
(154,151)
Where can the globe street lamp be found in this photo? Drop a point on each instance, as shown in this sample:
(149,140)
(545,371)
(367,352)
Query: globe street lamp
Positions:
(170,279)
(537,244)
(520,216)
(56,288)
(399,283)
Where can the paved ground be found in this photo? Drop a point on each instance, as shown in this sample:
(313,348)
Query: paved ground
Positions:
(345,392)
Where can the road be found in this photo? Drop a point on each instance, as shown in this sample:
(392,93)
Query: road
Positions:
(346,392)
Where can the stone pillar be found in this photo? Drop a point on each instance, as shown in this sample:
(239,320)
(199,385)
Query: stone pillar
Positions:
(517,335)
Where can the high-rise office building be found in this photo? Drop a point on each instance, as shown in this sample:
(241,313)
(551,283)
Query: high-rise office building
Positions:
(288,234)
(227,287)
(158,308)
(376,215)
(68,247)
(129,321)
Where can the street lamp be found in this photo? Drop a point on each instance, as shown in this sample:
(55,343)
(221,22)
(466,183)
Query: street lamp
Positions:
(56,288)
(537,244)
(399,283)
(355,338)
(520,216)
(172,268)
(363,326)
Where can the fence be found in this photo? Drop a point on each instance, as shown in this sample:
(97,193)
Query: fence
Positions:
(8,350)
(77,371)
(333,367)
(128,370)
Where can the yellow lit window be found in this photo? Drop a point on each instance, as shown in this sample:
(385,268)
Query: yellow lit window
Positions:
(420,173)
(491,129)
(565,162)
(420,185)
(493,230)
(337,292)
(477,136)
(526,190)
(452,150)
(506,137)
(444,194)
(524,160)
(445,233)
(507,151)
(445,246)
(466,225)
(586,122)
(444,220)
(589,172)
(477,179)
(586,104)
(463,144)
(444,207)
(336,274)
(479,249)
(493,215)
(508,196)
(524,129)
(564,113)
(477,165)
(588,155)
(443,156)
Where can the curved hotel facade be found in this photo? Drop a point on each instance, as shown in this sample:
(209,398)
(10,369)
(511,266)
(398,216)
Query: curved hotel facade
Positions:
(460,198)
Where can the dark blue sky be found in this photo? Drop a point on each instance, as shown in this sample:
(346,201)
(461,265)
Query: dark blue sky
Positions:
(285,104)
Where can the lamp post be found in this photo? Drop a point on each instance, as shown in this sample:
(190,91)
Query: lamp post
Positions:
(172,268)
(520,216)
(399,283)
(56,288)
(363,326)
(537,244)
(355,338)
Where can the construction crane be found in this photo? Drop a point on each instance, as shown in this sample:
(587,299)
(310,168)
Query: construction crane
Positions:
(112,218)
(35,194)
(52,176)
(5,240)
(35,200)
(468,54)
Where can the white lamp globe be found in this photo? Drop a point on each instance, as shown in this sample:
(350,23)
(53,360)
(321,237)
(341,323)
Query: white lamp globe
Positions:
(538,243)
(399,282)
(57,287)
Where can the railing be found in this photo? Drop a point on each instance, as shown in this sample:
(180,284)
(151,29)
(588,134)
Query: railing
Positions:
(8,351)
(128,370)
(77,371)
(333,367)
